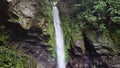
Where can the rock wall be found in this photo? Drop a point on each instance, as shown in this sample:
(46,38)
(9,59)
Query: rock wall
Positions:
(29,13)
(27,22)
(94,45)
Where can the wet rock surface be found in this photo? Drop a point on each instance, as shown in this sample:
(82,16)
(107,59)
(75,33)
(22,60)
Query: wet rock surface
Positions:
(39,53)
(26,31)
(24,10)
(81,62)
(96,55)
(100,52)
(27,13)
(99,49)
(31,42)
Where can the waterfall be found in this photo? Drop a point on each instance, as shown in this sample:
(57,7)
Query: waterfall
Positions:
(59,39)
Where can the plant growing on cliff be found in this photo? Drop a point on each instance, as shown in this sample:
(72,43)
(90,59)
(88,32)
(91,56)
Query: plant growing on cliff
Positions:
(14,17)
(9,57)
(71,33)
(44,10)
(100,15)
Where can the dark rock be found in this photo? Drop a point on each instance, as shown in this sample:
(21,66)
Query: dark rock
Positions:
(81,62)
(40,54)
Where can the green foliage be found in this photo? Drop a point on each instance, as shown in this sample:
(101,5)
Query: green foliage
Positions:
(51,41)
(50,31)
(67,32)
(9,57)
(116,37)
(118,33)
(102,27)
(102,16)
(71,32)
(3,35)
(116,19)
(14,18)
(44,10)
(12,59)
(100,6)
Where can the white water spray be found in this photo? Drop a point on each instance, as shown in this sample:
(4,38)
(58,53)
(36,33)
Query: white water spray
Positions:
(59,39)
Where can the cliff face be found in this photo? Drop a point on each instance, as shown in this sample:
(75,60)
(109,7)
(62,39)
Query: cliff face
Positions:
(29,30)
(24,12)
(30,26)
(84,36)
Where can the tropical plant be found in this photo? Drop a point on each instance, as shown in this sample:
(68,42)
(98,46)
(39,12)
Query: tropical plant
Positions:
(9,57)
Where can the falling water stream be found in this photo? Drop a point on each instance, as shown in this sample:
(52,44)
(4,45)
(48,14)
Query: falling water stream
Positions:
(59,39)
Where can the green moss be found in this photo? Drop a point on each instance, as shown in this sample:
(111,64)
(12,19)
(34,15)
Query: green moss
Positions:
(71,33)
(112,39)
(44,10)
(51,41)
(11,58)
(50,31)
(66,31)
